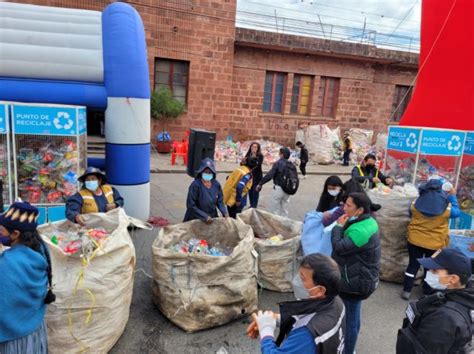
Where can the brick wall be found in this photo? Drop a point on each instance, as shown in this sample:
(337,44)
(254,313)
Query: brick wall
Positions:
(228,65)
(365,94)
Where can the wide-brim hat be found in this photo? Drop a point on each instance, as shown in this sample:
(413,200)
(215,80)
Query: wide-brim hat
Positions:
(92,171)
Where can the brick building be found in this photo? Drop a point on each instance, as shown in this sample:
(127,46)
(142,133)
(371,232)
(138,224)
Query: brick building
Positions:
(252,84)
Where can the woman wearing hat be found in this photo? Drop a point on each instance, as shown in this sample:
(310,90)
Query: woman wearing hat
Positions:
(95,196)
(205,195)
(25,284)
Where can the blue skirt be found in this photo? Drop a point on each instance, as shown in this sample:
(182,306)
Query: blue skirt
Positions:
(36,342)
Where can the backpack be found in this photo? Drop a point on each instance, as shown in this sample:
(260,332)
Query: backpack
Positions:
(289,179)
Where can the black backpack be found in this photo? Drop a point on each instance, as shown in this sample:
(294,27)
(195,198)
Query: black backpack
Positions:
(289,179)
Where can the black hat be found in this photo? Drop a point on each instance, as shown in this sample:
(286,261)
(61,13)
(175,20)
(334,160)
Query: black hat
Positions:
(92,171)
(451,259)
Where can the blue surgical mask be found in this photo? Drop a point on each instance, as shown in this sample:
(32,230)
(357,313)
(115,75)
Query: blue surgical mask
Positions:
(432,280)
(207,176)
(92,185)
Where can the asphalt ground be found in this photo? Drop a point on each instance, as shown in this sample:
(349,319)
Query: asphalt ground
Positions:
(148,331)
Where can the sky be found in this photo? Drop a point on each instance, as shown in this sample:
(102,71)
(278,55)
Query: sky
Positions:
(385,23)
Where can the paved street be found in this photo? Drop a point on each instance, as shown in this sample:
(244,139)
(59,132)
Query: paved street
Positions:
(150,332)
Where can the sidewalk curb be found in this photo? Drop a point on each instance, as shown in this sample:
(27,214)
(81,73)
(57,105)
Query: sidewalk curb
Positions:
(328,173)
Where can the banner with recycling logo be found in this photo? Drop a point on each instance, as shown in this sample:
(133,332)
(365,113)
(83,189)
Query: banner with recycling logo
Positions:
(3,117)
(45,120)
(403,139)
(442,142)
(469,145)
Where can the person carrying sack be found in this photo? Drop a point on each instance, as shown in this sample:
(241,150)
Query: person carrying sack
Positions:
(286,183)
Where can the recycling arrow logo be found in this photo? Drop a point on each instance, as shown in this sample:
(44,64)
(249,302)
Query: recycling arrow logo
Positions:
(63,121)
(411,140)
(455,143)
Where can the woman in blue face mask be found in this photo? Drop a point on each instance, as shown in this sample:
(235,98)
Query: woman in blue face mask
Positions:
(205,195)
(95,196)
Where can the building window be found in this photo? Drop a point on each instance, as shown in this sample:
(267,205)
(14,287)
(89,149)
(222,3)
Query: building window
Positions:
(401,98)
(301,95)
(274,92)
(174,75)
(327,98)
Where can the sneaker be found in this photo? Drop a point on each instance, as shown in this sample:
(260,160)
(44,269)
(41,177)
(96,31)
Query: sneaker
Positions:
(406,295)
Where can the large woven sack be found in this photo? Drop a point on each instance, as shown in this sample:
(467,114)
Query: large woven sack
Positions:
(92,298)
(277,263)
(320,141)
(393,219)
(200,291)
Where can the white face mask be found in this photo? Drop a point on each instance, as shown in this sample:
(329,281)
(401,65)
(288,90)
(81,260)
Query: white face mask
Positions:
(334,192)
(300,290)
(432,280)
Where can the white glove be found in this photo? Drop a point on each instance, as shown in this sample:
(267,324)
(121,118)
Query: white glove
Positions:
(266,323)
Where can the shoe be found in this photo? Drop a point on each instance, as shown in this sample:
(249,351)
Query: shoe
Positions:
(406,295)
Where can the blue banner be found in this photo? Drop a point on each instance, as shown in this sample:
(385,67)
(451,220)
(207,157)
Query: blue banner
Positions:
(469,145)
(403,139)
(82,117)
(441,142)
(44,120)
(3,117)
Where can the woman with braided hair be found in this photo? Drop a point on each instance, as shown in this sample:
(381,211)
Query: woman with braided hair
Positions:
(25,284)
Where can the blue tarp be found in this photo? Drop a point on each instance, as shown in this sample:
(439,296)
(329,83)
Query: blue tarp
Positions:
(314,239)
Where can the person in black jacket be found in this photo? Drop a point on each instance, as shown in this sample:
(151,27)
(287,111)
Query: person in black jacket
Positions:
(367,174)
(255,150)
(314,323)
(356,249)
(441,323)
(304,157)
(280,199)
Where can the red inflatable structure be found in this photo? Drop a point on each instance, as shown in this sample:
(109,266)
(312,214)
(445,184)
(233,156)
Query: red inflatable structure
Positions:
(444,92)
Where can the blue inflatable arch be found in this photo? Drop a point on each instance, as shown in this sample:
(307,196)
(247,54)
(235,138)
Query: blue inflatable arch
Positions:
(89,58)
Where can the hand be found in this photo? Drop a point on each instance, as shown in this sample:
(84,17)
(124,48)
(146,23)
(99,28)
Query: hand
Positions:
(389,181)
(209,220)
(266,323)
(80,219)
(259,188)
(452,191)
(110,206)
(376,180)
(342,220)
(252,329)
(237,203)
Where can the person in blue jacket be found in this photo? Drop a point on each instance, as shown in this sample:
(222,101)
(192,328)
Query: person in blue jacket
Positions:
(315,323)
(205,195)
(95,196)
(25,284)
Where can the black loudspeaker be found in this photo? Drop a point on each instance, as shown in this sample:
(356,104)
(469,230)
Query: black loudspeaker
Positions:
(202,144)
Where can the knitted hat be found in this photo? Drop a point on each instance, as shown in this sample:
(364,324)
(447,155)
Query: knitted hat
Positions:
(20,216)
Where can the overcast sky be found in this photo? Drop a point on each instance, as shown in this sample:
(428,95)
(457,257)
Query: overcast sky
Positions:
(388,18)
